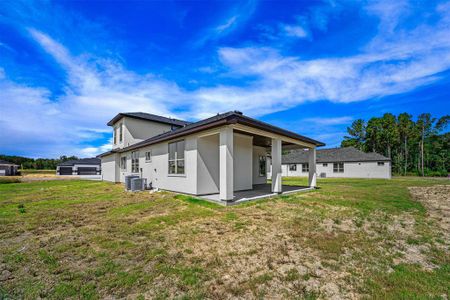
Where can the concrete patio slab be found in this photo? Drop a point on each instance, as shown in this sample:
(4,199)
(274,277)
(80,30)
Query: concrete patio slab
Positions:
(259,191)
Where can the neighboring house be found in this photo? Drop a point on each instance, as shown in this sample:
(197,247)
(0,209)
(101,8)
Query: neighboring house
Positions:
(8,169)
(346,162)
(80,167)
(219,155)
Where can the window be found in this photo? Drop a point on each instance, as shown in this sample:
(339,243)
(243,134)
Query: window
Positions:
(123,162)
(305,168)
(176,157)
(381,163)
(120,132)
(293,167)
(148,156)
(135,162)
(325,165)
(338,167)
(262,166)
(115,135)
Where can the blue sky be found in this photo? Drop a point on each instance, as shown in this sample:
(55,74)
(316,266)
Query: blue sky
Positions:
(66,68)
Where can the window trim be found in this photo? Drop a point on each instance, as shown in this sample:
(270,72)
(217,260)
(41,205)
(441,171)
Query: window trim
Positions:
(147,160)
(135,162)
(176,159)
(338,167)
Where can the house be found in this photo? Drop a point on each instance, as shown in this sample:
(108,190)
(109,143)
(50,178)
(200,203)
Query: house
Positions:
(80,167)
(8,169)
(220,156)
(346,162)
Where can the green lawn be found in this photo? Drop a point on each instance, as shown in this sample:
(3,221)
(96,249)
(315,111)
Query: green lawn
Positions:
(350,238)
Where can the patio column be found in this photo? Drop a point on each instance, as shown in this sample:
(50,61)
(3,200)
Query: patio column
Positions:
(226,164)
(312,167)
(276,166)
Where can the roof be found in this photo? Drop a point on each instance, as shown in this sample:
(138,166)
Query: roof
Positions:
(148,117)
(347,154)
(83,161)
(4,162)
(231,117)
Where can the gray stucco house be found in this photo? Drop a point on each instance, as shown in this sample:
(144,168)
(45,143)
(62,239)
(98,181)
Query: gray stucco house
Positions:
(8,169)
(347,162)
(80,167)
(218,156)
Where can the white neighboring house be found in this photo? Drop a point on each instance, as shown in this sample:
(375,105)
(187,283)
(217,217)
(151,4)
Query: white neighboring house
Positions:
(216,156)
(347,162)
(85,167)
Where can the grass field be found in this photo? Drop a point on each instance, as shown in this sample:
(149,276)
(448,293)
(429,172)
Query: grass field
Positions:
(350,239)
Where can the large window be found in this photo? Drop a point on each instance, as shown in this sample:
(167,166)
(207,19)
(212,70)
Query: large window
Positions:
(176,157)
(338,167)
(293,167)
(262,166)
(135,162)
(123,162)
(305,167)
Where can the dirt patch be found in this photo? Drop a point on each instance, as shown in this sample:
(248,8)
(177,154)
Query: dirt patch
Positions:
(436,200)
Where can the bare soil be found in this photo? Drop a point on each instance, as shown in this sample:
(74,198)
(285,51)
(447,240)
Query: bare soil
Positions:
(436,199)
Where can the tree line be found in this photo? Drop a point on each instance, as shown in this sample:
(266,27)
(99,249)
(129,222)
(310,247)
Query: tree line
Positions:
(38,163)
(415,146)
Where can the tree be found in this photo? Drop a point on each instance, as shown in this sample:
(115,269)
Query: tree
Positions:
(405,128)
(425,126)
(389,132)
(357,132)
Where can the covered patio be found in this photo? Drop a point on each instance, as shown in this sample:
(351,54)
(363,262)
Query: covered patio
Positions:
(234,165)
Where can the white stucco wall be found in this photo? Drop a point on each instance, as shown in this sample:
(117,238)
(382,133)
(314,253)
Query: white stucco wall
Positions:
(208,164)
(258,151)
(242,162)
(156,171)
(136,130)
(351,170)
(110,168)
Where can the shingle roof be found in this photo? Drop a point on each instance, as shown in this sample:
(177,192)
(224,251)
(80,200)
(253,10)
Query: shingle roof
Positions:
(231,117)
(4,162)
(149,117)
(83,161)
(348,154)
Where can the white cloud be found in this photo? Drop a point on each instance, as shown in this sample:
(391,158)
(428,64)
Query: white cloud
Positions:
(227,25)
(329,121)
(295,31)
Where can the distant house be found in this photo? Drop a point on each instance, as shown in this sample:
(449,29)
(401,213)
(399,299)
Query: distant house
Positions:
(83,167)
(346,162)
(8,169)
